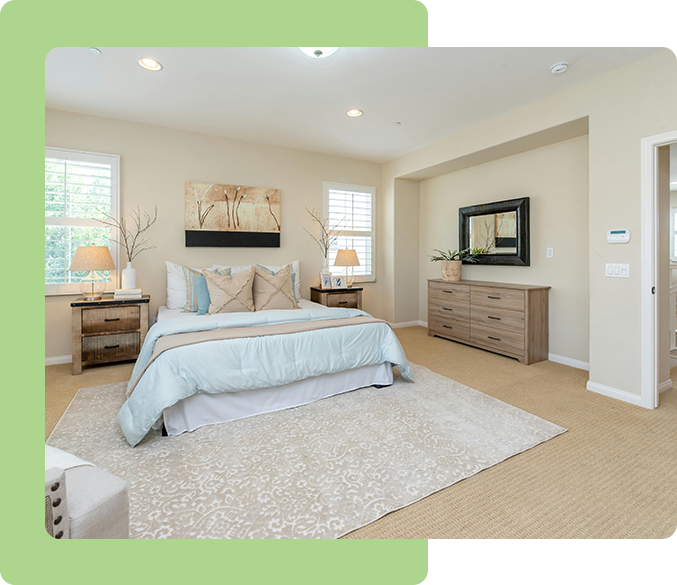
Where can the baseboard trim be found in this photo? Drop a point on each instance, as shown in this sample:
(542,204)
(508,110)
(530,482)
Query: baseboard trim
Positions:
(59,359)
(560,359)
(665,386)
(635,399)
(409,324)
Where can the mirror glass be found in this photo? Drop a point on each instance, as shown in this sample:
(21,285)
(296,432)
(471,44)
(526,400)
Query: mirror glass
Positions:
(494,233)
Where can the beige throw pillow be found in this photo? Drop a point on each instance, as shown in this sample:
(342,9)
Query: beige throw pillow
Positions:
(230,294)
(274,291)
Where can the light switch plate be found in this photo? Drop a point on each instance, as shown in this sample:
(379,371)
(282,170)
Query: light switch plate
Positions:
(617,270)
(550,252)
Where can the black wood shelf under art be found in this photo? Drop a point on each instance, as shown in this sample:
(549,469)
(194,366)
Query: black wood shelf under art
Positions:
(232,216)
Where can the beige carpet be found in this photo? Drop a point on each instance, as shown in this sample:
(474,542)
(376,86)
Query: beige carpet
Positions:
(612,475)
(319,471)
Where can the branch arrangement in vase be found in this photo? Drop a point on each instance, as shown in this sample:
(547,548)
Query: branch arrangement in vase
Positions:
(131,238)
(328,234)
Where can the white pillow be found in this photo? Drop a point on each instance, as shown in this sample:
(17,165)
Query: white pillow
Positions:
(176,286)
(294,269)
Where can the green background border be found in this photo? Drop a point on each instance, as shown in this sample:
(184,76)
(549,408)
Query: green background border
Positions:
(29,29)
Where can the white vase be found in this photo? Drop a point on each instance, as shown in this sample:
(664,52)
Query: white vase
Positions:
(129,277)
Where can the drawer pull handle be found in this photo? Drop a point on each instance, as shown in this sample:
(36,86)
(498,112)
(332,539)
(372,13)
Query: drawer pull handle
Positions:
(447,326)
(494,318)
(451,292)
(447,309)
(116,319)
(490,297)
(111,346)
(494,338)
(343,302)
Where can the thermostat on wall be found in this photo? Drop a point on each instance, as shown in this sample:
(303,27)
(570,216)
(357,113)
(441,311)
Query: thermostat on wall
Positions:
(618,236)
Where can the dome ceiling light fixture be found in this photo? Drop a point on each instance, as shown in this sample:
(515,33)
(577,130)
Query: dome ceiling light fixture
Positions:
(319,52)
(559,68)
(150,64)
(354,113)
(94,50)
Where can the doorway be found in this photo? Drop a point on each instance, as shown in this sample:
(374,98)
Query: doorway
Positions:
(657,329)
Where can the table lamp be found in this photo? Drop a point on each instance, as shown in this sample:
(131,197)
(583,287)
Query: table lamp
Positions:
(92,259)
(347,258)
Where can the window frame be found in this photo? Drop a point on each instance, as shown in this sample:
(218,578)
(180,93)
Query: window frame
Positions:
(327,186)
(92,157)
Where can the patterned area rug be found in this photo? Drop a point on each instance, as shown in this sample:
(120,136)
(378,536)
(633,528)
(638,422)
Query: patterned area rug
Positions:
(317,471)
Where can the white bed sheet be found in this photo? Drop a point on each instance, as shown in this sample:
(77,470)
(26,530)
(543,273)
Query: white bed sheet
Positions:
(165,313)
(201,410)
(208,409)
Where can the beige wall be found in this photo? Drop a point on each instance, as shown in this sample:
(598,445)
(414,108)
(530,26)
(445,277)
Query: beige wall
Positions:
(406,247)
(556,180)
(154,164)
(623,107)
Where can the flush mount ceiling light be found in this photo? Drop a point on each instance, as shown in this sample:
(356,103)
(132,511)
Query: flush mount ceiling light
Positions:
(319,52)
(397,123)
(559,68)
(354,113)
(95,50)
(150,64)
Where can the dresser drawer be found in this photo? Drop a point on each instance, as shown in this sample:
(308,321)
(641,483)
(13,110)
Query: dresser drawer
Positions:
(345,301)
(449,290)
(502,319)
(449,327)
(113,346)
(111,319)
(508,341)
(449,310)
(500,298)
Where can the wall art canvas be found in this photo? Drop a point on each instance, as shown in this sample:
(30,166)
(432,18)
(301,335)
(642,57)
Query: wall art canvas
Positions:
(232,216)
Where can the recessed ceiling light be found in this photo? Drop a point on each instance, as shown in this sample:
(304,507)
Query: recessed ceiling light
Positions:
(354,113)
(95,50)
(150,64)
(559,68)
(319,52)
(397,123)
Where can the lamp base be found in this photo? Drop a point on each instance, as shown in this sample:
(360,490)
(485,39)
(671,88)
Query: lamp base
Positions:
(92,298)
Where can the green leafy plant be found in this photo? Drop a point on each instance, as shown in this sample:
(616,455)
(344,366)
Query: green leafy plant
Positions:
(467,255)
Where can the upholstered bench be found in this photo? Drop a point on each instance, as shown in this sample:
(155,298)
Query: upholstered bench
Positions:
(82,501)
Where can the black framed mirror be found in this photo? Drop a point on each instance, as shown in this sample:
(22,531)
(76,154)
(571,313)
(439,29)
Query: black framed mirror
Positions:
(500,229)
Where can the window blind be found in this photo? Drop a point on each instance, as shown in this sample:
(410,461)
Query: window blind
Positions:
(350,210)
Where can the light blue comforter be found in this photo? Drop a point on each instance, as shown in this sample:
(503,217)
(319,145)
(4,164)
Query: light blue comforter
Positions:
(232,365)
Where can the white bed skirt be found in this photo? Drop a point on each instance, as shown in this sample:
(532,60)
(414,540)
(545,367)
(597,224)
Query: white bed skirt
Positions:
(200,410)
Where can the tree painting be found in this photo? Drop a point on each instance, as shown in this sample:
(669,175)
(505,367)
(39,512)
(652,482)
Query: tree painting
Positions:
(232,208)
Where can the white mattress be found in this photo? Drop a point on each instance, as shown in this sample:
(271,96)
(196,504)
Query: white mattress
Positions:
(165,313)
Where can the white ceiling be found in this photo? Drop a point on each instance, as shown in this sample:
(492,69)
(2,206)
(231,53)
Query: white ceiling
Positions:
(282,97)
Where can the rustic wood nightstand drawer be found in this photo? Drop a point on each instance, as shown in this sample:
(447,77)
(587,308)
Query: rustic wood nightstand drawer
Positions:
(110,319)
(110,347)
(345,300)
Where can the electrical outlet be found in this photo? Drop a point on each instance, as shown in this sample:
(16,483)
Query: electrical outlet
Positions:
(550,252)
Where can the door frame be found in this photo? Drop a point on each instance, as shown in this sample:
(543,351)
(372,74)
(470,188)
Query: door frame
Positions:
(649,265)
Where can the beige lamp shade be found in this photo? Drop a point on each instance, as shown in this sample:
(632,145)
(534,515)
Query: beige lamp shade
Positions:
(346,258)
(88,258)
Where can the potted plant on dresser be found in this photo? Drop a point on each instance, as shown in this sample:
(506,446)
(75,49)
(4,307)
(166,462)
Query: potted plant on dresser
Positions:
(452,262)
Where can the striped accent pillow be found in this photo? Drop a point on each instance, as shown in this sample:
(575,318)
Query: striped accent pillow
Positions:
(196,289)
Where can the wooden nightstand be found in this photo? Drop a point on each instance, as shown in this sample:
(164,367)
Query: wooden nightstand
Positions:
(345,298)
(106,330)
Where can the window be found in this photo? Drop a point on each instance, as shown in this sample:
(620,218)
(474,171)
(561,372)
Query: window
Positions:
(79,187)
(350,209)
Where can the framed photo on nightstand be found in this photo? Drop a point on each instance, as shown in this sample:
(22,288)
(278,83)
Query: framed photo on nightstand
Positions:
(325,280)
(338,282)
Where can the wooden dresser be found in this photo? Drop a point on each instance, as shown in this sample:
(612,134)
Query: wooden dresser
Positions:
(510,319)
(106,330)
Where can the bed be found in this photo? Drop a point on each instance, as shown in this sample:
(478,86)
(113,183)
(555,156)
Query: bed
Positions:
(195,371)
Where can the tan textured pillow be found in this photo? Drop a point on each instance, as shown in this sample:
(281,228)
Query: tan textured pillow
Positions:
(274,292)
(230,294)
